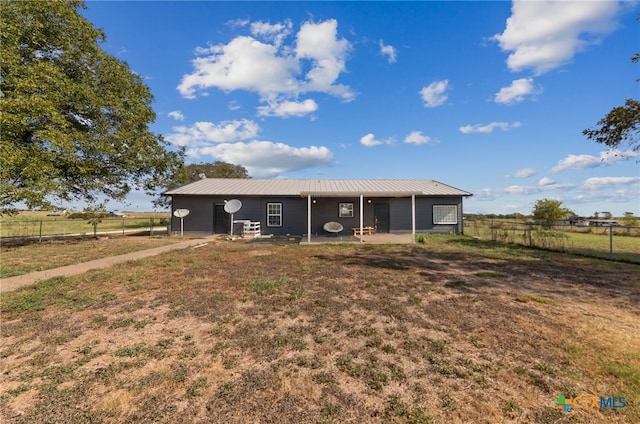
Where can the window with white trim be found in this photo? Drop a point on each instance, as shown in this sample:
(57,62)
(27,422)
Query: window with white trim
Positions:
(445,214)
(345,210)
(274,214)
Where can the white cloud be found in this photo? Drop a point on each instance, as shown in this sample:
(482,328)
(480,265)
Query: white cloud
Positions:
(516,92)
(588,161)
(270,67)
(176,114)
(595,183)
(227,141)
(542,35)
(320,43)
(265,159)
(518,189)
(486,194)
(602,197)
(369,140)
(543,185)
(388,51)
(272,32)
(236,23)
(288,108)
(416,137)
(486,129)
(208,132)
(523,173)
(243,64)
(435,94)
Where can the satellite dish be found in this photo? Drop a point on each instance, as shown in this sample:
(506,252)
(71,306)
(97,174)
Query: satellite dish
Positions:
(181,213)
(232,206)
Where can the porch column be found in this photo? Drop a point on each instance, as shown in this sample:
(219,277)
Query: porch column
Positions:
(308,218)
(413,218)
(361,217)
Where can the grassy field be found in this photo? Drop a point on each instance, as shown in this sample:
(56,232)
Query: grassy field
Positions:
(22,259)
(454,330)
(585,241)
(36,223)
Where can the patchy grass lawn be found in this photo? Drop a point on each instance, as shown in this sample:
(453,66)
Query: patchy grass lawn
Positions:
(22,259)
(455,330)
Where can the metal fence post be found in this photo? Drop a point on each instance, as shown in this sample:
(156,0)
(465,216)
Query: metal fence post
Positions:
(40,238)
(150,227)
(611,241)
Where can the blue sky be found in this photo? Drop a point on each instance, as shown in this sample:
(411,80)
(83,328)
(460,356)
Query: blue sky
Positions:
(490,97)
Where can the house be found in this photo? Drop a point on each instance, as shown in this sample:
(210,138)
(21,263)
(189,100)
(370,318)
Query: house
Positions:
(302,207)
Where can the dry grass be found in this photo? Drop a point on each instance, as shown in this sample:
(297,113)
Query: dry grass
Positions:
(22,259)
(453,331)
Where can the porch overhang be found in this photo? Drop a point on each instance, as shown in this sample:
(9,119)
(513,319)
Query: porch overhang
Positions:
(361,195)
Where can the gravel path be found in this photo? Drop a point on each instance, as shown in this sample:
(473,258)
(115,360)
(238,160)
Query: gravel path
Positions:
(13,283)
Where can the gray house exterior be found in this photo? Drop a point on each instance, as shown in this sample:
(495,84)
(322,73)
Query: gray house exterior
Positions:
(302,207)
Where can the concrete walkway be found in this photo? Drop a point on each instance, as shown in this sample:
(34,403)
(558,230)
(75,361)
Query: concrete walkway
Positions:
(13,283)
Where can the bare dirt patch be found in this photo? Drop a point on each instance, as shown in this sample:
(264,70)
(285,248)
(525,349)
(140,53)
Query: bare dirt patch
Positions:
(460,331)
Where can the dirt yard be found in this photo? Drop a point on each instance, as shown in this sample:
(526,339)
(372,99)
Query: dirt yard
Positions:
(454,331)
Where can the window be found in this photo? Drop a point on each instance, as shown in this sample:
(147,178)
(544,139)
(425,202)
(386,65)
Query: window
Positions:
(274,214)
(445,214)
(346,210)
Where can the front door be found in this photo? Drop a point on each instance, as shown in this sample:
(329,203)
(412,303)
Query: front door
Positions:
(381,217)
(220,220)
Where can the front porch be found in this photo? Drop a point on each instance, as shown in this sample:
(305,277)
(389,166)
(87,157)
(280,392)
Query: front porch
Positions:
(376,238)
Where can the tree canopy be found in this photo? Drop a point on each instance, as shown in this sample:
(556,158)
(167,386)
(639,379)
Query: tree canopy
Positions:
(549,211)
(189,173)
(74,119)
(193,172)
(621,125)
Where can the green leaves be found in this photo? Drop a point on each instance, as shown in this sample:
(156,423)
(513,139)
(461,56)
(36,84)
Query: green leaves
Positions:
(621,124)
(550,211)
(75,120)
(193,172)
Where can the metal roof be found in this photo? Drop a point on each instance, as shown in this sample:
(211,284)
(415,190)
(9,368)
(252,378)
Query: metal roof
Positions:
(284,187)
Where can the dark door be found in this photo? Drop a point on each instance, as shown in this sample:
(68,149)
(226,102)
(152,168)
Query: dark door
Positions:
(220,220)
(381,217)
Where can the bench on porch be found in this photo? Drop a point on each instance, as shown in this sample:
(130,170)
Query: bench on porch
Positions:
(365,230)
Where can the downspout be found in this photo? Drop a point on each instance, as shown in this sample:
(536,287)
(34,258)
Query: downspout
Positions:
(413,218)
(308,218)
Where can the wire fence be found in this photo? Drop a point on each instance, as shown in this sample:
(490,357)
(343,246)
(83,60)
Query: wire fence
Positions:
(18,230)
(609,242)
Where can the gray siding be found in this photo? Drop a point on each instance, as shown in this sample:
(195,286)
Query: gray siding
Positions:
(200,218)
(401,214)
(294,209)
